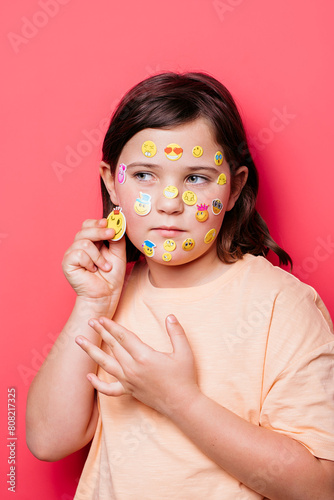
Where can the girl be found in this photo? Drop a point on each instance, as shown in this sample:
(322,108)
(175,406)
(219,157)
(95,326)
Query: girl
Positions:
(200,371)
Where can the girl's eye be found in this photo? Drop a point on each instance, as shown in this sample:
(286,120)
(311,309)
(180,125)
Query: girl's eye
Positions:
(144,176)
(196,179)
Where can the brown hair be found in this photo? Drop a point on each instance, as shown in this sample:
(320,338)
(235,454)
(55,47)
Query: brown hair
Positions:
(171,99)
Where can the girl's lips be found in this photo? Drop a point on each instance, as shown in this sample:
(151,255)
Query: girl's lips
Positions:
(168,232)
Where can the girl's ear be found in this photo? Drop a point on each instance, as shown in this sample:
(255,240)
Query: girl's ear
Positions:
(109,181)
(239,180)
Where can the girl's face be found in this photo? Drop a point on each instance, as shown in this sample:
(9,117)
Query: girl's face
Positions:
(174,187)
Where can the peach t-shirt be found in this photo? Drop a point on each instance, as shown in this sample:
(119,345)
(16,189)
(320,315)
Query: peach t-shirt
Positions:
(264,348)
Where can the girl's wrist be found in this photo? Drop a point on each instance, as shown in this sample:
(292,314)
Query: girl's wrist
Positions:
(93,307)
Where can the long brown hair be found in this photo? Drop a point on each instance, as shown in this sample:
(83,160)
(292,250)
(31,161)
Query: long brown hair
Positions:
(171,99)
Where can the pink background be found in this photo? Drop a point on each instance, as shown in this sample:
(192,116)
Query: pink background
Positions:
(65,65)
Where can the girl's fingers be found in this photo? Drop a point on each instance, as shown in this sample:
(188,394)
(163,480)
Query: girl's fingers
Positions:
(121,352)
(112,389)
(106,361)
(94,223)
(95,234)
(82,247)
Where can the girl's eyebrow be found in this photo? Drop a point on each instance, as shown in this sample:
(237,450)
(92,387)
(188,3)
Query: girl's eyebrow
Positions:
(195,168)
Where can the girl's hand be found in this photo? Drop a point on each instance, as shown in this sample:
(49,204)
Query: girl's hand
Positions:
(93,270)
(163,381)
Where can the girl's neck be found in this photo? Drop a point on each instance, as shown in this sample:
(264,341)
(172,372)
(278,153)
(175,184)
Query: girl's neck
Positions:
(202,270)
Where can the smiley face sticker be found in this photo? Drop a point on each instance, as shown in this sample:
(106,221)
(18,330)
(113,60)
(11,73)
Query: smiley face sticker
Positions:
(189,198)
(197,151)
(210,236)
(219,158)
(169,245)
(116,220)
(142,204)
(171,192)
(188,244)
(217,206)
(149,149)
(202,213)
(166,257)
(173,151)
(148,247)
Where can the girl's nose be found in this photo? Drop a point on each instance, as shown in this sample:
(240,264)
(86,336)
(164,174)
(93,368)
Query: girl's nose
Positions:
(170,201)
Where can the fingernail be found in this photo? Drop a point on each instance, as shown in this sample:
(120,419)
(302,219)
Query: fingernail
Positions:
(79,340)
(91,322)
(110,232)
(171,318)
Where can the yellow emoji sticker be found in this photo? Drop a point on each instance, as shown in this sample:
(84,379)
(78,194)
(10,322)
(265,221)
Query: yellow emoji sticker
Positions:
(197,151)
(189,198)
(169,245)
(166,257)
(202,213)
(149,149)
(217,206)
(116,220)
(221,179)
(219,158)
(142,204)
(173,151)
(171,192)
(210,236)
(148,247)
(188,244)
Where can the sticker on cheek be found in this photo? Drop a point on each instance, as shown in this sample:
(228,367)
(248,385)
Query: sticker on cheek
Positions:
(121,173)
(171,192)
(142,204)
(148,247)
(166,257)
(116,220)
(188,244)
(217,206)
(219,158)
(202,213)
(149,149)
(221,179)
(169,245)
(210,236)
(189,198)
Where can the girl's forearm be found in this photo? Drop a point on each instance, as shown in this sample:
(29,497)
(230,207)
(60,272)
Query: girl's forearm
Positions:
(270,463)
(61,410)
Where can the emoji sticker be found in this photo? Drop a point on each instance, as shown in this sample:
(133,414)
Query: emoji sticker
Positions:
(217,206)
(169,245)
(188,244)
(148,248)
(116,220)
(202,213)
(219,158)
(197,151)
(171,192)
(121,173)
(166,257)
(189,198)
(142,204)
(173,151)
(210,236)
(221,179)
(149,149)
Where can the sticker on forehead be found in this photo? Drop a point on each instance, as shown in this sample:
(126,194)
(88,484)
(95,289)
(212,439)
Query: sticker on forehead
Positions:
(202,213)
(116,220)
(149,149)
(169,245)
(166,257)
(219,158)
(121,173)
(148,247)
(221,179)
(217,206)
(171,192)
(197,151)
(210,236)
(142,204)
(189,198)
(188,244)
(173,151)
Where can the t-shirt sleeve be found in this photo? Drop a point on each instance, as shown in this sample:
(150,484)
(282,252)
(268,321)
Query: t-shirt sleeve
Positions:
(298,378)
